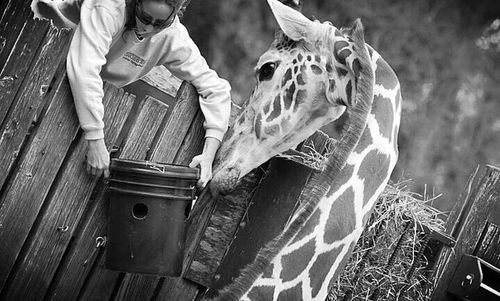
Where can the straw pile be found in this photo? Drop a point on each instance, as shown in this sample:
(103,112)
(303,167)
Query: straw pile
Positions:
(389,263)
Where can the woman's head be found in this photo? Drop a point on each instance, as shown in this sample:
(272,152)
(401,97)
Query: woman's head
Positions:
(152,16)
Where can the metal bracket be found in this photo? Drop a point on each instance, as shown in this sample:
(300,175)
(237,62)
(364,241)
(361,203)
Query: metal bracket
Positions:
(475,279)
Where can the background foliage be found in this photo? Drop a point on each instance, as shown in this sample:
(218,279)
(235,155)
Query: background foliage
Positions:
(446,54)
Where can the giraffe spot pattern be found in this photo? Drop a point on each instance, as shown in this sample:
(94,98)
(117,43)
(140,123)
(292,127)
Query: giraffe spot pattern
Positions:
(261,293)
(268,272)
(348,91)
(337,47)
(300,80)
(365,141)
(287,77)
(267,107)
(316,70)
(344,176)
(288,97)
(373,170)
(309,226)
(356,67)
(343,54)
(320,269)
(331,85)
(300,57)
(299,99)
(341,220)
(258,125)
(341,72)
(329,68)
(317,58)
(294,263)
(384,114)
(276,109)
(294,293)
(309,58)
(295,69)
(385,76)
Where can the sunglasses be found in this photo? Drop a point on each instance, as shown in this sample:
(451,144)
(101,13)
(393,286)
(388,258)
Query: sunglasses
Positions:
(148,20)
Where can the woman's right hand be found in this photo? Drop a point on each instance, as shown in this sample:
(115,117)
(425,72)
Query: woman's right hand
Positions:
(97,158)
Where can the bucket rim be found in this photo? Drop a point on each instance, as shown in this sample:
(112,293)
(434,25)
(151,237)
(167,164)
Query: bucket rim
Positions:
(167,170)
(119,181)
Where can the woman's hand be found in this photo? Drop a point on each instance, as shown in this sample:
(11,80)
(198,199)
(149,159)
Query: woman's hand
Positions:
(205,161)
(97,158)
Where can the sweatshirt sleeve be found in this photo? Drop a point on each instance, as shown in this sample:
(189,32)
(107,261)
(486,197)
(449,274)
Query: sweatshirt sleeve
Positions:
(184,60)
(87,54)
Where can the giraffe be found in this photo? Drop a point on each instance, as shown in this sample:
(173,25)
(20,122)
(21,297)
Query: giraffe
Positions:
(312,74)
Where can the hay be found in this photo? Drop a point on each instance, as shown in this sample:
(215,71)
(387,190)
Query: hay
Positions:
(388,262)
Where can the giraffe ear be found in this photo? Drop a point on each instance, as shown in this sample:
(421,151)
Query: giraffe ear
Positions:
(293,23)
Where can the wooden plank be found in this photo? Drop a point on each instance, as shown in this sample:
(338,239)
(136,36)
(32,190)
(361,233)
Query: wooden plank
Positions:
(14,16)
(193,142)
(177,125)
(215,229)
(24,196)
(160,78)
(65,205)
(30,99)
(489,246)
(16,67)
(178,289)
(186,143)
(482,202)
(136,146)
(137,287)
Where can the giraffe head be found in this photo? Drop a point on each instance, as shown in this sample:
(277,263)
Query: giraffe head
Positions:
(305,80)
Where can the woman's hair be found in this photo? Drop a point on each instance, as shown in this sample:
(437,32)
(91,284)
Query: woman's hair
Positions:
(178,5)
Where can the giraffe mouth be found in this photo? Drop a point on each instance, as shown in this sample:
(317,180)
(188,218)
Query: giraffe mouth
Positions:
(225,180)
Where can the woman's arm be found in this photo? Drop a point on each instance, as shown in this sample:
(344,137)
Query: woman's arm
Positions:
(87,54)
(184,60)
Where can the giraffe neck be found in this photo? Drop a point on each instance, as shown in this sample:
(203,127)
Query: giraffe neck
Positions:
(307,267)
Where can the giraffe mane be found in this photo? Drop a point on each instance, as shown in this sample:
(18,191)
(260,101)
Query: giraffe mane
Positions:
(321,182)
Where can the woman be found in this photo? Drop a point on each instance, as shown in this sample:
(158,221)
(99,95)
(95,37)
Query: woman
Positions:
(119,41)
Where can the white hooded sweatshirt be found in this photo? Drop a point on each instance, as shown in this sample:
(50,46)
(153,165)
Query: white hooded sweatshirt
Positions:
(102,49)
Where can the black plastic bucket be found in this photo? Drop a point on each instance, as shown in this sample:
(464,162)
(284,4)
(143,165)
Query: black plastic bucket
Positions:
(148,207)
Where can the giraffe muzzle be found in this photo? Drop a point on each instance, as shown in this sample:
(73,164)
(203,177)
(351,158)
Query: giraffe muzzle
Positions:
(225,181)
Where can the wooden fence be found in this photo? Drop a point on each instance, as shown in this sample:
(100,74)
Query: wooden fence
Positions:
(53,215)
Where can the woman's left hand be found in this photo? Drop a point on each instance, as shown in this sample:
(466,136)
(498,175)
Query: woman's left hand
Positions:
(205,161)
(205,169)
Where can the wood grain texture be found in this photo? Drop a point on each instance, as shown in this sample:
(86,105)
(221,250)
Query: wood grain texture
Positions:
(489,246)
(28,103)
(172,135)
(25,195)
(65,205)
(15,69)
(214,231)
(483,199)
(13,18)
(160,78)
(136,147)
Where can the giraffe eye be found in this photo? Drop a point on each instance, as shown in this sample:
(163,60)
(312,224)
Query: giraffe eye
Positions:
(266,71)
